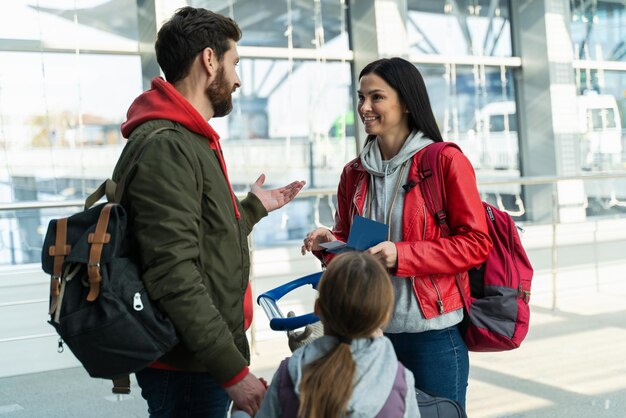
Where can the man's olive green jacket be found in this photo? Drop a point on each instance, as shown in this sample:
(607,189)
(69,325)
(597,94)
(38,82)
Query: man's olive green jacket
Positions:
(191,247)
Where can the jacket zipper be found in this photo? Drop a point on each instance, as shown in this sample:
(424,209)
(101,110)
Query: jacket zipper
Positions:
(439,300)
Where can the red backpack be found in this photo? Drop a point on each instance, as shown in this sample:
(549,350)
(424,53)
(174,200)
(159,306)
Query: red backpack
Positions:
(497,306)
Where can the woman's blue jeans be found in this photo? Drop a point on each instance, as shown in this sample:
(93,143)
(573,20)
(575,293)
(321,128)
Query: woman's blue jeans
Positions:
(438,359)
(180,394)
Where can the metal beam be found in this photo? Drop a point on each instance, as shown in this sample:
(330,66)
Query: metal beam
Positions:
(417,28)
(489,61)
(462,20)
(490,14)
(497,37)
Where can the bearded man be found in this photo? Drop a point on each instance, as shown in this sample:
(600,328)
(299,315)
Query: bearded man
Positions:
(190,229)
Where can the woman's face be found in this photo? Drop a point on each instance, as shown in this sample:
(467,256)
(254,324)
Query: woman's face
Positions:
(380,108)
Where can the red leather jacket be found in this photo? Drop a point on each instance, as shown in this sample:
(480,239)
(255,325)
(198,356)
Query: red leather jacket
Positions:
(426,257)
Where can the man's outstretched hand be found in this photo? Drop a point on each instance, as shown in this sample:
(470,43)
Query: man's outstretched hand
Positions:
(275,198)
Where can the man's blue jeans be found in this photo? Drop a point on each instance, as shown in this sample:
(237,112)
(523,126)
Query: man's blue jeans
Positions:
(180,394)
(438,359)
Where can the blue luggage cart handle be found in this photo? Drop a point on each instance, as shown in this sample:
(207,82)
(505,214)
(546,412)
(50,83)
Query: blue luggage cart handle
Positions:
(278,322)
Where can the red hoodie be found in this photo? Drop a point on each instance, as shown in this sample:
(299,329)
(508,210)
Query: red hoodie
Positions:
(163,101)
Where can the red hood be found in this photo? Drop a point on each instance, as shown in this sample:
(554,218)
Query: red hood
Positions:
(163,101)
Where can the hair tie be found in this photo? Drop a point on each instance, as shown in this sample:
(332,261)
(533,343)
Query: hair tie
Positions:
(344,340)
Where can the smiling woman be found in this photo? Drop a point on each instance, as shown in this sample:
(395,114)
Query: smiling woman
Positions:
(395,109)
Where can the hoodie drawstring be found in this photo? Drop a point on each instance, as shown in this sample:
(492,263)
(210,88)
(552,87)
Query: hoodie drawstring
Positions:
(387,212)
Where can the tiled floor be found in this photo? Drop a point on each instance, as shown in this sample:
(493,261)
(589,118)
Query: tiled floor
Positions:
(572,364)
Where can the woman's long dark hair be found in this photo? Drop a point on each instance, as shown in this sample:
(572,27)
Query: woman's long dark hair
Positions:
(407,81)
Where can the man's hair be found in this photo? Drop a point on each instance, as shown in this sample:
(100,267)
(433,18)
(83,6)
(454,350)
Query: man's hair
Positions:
(189,31)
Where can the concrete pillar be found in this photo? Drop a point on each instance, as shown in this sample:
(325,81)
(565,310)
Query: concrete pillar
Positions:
(377,30)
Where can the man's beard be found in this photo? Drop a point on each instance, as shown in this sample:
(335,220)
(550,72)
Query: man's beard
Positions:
(220,95)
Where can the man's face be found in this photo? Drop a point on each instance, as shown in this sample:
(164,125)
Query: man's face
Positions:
(225,83)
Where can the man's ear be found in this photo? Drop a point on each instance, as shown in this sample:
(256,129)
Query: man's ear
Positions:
(209,61)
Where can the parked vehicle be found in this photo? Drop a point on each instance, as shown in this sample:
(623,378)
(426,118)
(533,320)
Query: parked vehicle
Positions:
(601,129)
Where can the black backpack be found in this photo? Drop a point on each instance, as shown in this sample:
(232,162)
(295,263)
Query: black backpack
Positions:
(98,303)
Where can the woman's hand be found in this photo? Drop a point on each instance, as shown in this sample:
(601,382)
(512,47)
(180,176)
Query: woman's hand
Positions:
(386,252)
(314,238)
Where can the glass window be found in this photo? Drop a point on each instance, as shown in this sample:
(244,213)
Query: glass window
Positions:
(59,23)
(598,29)
(471,27)
(297,24)
(60,118)
(59,121)
(290,121)
(475,107)
(601,119)
(280,110)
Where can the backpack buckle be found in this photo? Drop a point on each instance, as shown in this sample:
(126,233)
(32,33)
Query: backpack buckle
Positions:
(523,294)
(441,216)
(424,174)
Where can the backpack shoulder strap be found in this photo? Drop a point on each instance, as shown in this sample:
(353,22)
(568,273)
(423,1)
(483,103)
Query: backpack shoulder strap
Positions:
(395,405)
(59,251)
(287,397)
(431,184)
(109,188)
(434,193)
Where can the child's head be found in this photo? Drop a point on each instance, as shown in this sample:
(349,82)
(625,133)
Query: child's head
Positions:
(355,300)
(355,296)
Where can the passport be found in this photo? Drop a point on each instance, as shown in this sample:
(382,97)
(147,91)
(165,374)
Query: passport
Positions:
(364,233)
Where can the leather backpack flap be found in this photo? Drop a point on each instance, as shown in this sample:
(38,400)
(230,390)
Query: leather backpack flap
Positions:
(56,255)
(84,224)
(90,238)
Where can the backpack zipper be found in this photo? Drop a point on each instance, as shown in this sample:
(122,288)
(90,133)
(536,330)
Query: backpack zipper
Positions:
(137,303)
(521,293)
(508,266)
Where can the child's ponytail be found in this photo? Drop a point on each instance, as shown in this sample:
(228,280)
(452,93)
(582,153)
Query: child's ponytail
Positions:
(326,385)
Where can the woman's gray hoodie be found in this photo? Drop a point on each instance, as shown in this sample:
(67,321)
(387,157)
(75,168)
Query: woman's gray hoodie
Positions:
(376,368)
(381,206)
